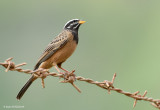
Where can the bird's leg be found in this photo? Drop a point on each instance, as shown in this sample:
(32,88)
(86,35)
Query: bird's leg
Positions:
(64,69)
(64,74)
(58,70)
(60,66)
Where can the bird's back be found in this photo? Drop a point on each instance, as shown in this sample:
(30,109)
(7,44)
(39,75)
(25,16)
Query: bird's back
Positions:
(57,51)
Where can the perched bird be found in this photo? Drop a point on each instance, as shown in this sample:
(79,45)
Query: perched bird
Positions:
(57,51)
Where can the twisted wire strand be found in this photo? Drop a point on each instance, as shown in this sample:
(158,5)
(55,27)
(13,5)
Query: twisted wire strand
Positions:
(70,78)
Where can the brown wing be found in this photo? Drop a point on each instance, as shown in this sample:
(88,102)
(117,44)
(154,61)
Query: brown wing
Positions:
(52,47)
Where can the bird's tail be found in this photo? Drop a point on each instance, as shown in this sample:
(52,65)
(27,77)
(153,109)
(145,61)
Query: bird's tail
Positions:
(25,87)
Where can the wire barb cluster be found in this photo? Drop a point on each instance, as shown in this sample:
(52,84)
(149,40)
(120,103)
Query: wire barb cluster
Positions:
(70,78)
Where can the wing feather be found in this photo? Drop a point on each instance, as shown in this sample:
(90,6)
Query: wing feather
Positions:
(56,44)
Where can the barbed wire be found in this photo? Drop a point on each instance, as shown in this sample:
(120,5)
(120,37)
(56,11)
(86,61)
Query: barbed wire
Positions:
(70,78)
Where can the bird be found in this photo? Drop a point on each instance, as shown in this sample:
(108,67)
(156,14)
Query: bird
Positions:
(57,51)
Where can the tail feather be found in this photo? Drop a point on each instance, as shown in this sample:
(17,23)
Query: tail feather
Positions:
(25,87)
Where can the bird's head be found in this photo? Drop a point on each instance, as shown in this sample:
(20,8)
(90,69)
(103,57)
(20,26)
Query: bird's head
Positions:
(73,24)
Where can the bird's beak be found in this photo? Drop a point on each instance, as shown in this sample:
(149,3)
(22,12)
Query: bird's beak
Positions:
(81,22)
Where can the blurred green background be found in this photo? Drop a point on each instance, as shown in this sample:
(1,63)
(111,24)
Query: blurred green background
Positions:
(119,36)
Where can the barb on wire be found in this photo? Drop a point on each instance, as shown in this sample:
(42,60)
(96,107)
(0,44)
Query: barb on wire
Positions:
(70,78)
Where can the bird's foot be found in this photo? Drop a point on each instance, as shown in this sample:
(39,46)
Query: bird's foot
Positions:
(69,76)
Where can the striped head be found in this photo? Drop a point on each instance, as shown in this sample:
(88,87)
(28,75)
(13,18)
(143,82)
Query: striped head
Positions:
(73,24)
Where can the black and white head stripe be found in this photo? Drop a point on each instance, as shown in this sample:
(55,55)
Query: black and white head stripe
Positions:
(72,24)
(71,21)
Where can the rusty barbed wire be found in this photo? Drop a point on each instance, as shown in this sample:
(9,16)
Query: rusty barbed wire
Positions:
(70,78)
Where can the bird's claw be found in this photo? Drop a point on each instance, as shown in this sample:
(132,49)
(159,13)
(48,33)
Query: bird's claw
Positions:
(68,76)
